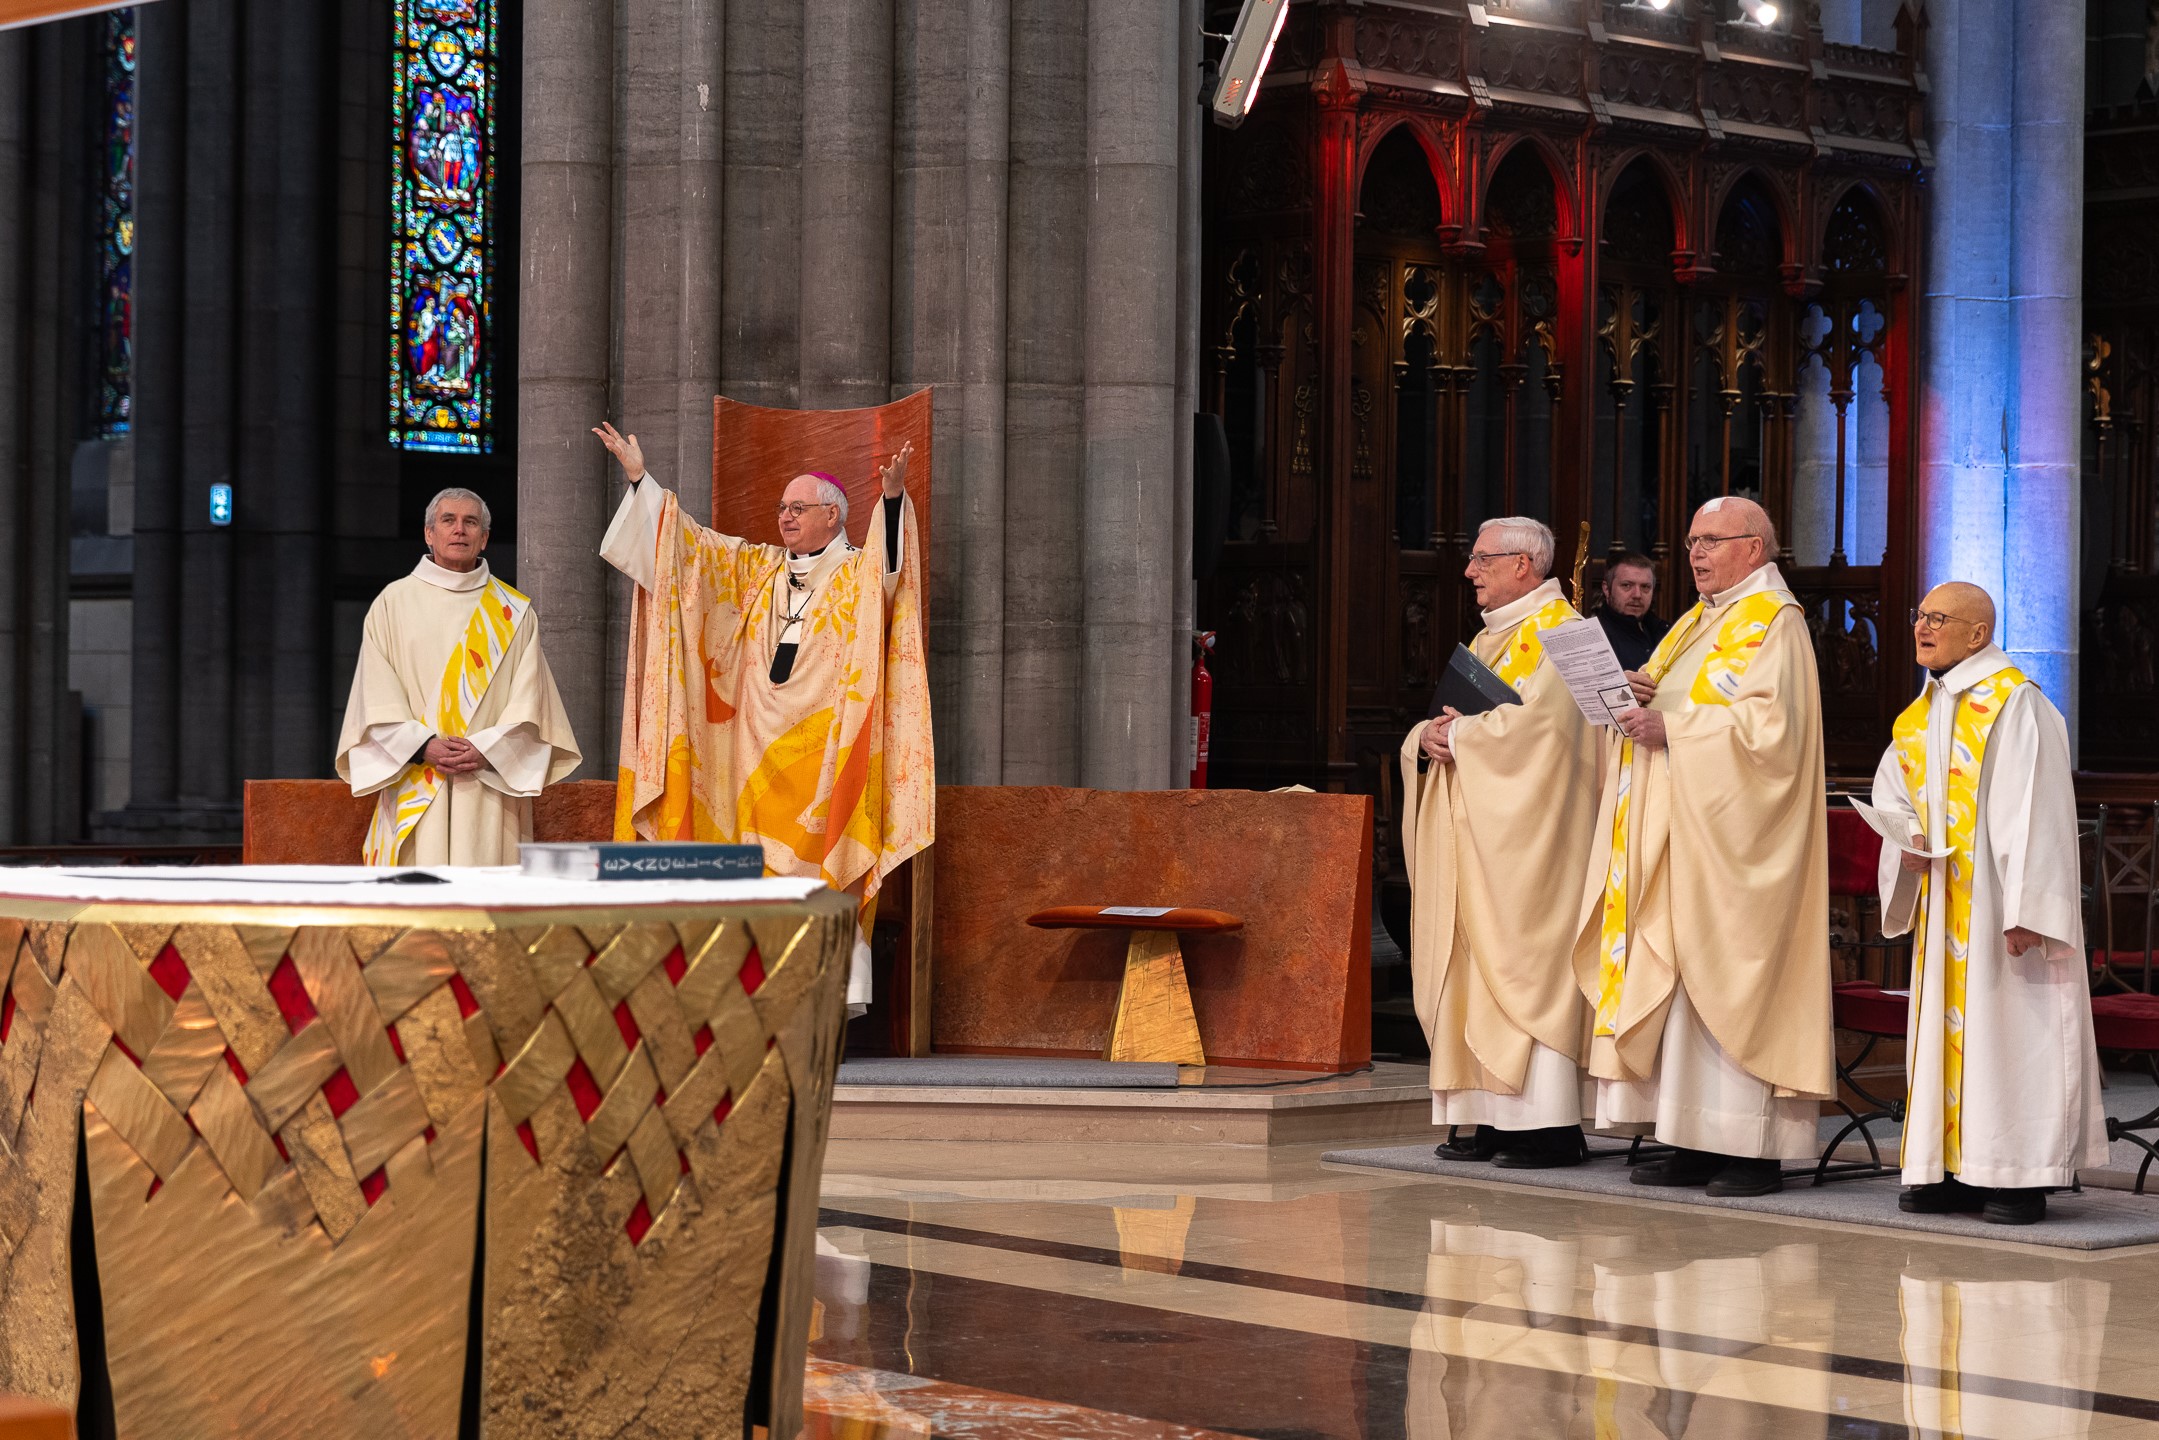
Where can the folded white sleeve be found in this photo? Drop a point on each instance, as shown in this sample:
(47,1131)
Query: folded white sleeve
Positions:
(382,756)
(516,755)
(631,543)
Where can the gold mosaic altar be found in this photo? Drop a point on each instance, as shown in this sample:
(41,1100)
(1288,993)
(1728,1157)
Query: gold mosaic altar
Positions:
(300,1127)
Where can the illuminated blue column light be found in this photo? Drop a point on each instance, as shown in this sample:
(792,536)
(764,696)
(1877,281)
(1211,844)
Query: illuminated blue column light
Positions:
(220,504)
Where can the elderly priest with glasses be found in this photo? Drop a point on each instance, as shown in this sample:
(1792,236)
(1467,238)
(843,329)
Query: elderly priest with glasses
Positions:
(454,723)
(777,695)
(1494,808)
(1704,940)
(2004,1077)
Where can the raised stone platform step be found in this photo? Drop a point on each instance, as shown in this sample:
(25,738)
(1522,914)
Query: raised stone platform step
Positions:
(1211,1105)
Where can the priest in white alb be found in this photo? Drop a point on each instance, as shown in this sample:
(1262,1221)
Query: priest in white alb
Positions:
(454,723)
(2004,1101)
(778,695)
(1497,810)
(1704,940)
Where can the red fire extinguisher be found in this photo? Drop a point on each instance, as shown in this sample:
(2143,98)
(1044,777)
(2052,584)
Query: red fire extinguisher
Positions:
(1202,705)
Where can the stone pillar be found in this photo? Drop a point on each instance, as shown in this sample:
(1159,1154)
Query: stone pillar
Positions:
(1130,485)
(564,490)
(846,233)
(2040,613)
(57,216)
(208,400)
(1045,330)
(160,183)
(282,471)
(760,346)
(700,178)
(933,81)
(980,588)
(13,203)
(1999,436)
(1191,123)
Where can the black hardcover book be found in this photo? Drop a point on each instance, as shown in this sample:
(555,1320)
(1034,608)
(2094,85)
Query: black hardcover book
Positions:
(1469,685)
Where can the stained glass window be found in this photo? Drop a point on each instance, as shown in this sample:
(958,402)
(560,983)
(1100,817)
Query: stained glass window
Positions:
(442,98)
(116,251)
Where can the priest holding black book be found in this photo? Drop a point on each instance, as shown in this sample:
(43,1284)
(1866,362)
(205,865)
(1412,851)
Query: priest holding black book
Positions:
(1498,813)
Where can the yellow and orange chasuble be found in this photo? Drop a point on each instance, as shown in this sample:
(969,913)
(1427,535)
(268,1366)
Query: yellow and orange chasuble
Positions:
(829,770)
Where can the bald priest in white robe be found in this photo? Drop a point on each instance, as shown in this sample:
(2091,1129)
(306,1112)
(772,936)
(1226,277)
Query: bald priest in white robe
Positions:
(454,723)
(1497,810)
(1704,941)
(2003,1071)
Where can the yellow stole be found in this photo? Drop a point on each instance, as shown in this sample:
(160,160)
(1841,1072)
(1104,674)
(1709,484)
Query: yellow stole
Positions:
(465,680)
(1977,710)
(1526,646)
(1738,638)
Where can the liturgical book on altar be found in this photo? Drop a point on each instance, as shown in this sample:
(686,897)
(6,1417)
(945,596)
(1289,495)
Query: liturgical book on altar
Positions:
(641,860)
(1470,686)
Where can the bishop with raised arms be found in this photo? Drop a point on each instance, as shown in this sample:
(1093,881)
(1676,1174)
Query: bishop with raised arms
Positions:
(777,694)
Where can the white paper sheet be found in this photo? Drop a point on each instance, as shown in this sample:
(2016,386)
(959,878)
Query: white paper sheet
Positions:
(1582,654)
(1892,831)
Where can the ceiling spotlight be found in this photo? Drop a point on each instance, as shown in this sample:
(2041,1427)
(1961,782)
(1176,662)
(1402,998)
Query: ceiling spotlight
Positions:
(1763,12)
(1658,4)
(1244,63)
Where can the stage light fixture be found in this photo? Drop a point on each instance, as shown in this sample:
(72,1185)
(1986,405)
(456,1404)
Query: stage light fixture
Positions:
(1658,4)
(1762,12)
(1244,63)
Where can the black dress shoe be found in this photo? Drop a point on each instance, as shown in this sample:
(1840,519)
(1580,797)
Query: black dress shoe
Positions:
(1743,1177)
(1681,1167)
(1550,1149)
(2015,1207)
(1949,1196)
(1480,1143)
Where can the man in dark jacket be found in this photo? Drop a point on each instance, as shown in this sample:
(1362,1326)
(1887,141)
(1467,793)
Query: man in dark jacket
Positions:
(1630,584)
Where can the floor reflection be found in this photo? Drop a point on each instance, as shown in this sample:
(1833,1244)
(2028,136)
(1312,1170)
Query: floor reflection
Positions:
(2002,1357)
(997,1298)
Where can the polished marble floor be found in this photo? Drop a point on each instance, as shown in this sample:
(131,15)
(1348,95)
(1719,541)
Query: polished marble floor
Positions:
(1009,1291)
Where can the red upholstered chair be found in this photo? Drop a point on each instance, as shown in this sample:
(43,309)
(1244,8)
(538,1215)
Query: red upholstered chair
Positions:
(1862,1006)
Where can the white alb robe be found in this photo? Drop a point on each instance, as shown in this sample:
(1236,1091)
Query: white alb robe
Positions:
(2031,1113)
(412,630)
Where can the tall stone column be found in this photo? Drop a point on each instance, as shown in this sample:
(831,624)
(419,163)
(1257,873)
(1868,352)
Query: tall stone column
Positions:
(760,346)
(283,591)
(980,552)
(209,345)
(2040,613)
(1999,428)
(950,170)
(846,255)
(13,204)
(1044,368)
(700,179)
(159,271)
(56,208)
(1130,529)
(565,244)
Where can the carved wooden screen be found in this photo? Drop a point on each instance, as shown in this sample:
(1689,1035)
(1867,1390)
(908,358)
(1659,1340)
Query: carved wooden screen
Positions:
(1576,259)
(2119,679)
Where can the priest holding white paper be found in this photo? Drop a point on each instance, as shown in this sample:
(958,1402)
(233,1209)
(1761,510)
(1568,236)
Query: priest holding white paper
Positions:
(1496,815)
(1704,942)
(1999,1053)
